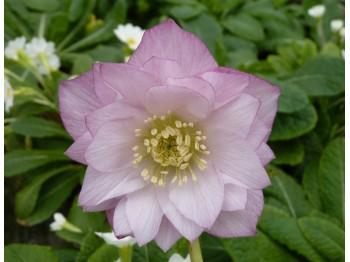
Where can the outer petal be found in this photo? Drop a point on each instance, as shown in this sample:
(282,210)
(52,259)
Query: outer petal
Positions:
(185,102)
(162,68)
(189,229)
(265,154)
(77,150)
(167,235)
(111,148)
(144,214)
(104,92)
(258,133)
(76,99)
(129,81)
(120,224)
(235,198)
(237,159)
(242,222)
(168,41)
(105,205)
(99,187)
(200,201)
(226,85)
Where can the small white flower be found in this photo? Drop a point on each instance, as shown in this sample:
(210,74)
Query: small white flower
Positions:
(129,34)
(111,239)
(39,46)
(53,63)
(8,95)
(317,11)
(177,258)
(337,25)
(11,51)
(58,223)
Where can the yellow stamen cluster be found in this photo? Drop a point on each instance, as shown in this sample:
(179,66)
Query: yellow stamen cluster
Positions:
(174,147)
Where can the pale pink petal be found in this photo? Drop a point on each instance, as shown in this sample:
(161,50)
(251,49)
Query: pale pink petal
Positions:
(105,205)
(99,187)
(167,235)
(117,110)
(77,98)
(237,116)
(242,222)
(111,148)
(237,159)
(162,68)
(185,102)
(189,229)
(103,91)
(144,214)
(129,81)
(200,201)
(120,223)
(226,85)
(258,133)
(168,41)
(265,154)
(196,84)
(235,198)
(77,150)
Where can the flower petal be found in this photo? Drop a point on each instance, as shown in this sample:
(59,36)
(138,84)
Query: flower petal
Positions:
(99,187)
(110,150)
(77,150)
(184,102)
(162,68)
(129,81)
(242,222)
(167,235)
(265,154)
(168,41)
(235,198)
(226,85)
(77,98)
(104,92)
(120,224)
(189,229)
(202,200)
(144,214)
(258,133)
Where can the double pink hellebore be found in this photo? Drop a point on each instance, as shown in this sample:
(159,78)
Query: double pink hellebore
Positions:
(175,145)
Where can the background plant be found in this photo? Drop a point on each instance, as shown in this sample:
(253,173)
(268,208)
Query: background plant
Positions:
(303,218)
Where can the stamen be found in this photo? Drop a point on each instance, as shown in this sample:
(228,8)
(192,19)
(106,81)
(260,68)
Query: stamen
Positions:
(178,124)
(154,131)
(203,147)
(187,140)
(146,142)
(154,142)
(184,166)
(135,148)
(144,172)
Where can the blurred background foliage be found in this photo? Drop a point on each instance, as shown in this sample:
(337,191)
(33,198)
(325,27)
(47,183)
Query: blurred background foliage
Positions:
(303,218)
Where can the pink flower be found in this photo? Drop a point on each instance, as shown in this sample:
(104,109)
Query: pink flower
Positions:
(175,145)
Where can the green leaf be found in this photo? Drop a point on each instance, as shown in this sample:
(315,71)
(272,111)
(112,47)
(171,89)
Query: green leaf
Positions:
(259,248)
(82,64)
(104,253)
(42,5)
(322,76)
(27,252)
(90,244)
(288,126)
(241,57)
(20,161)
(38,127)
(53,194)
(288,152)
(76,9)
(332,178)
(58,26)
(244,26)
(65,254)
(326,237)
(285,189)
(26,198)
(184,11)
(284,229)
(212,249)
(311,185)
(106,54)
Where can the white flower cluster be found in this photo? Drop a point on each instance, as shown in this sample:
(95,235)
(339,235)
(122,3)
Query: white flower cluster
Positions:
(38,49)
(8,95)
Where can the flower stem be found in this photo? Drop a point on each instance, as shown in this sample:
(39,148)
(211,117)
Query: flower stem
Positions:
(195,251)
(320,32)
(125,253)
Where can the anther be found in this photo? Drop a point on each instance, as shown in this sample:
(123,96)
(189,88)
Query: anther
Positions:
(154,142)
(172,161)
(188,157)
(154,179)
(135,148)
(178,124)
(144,172)
(187,140)
(183,166)
(203,147)
(146,142)
(165,134)
(154,131)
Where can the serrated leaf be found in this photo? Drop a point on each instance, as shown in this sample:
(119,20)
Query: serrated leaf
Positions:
(288,152)
(289,192)
(20,161)
(322,76)
(27,252)
(288,126)
(284,229)
(311,185)
(326,237)
(244,26)
(259,248)
(38,127)
(106,253)
(332,179)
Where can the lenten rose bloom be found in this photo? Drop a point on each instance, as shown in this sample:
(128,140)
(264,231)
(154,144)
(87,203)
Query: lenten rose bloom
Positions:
(175,145)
